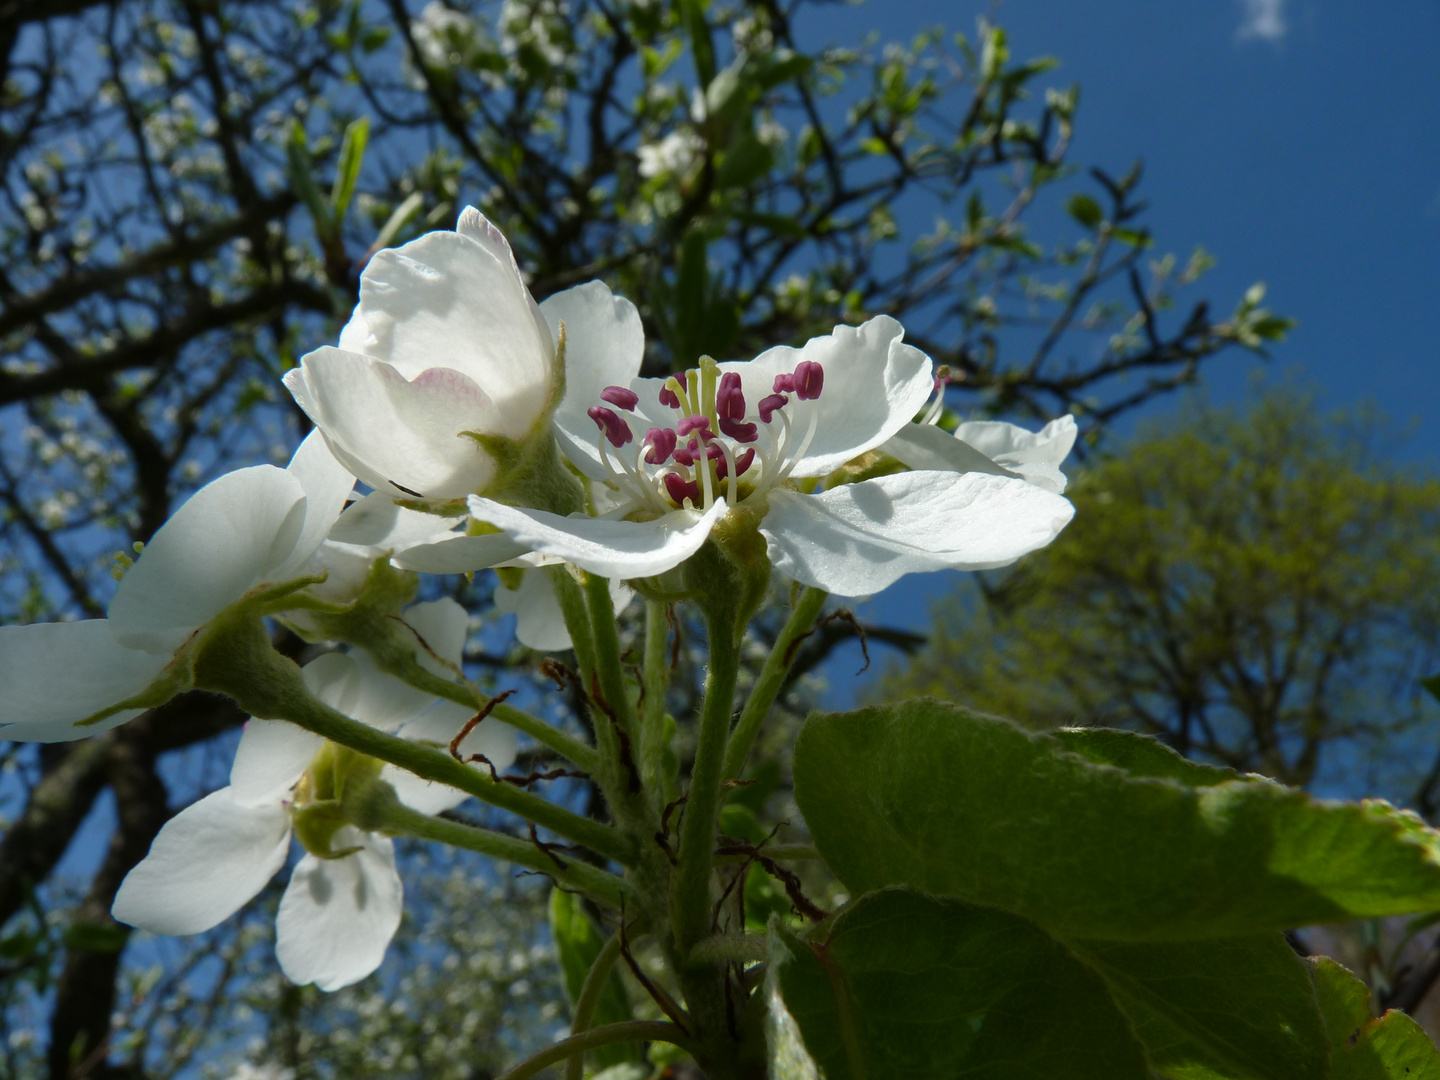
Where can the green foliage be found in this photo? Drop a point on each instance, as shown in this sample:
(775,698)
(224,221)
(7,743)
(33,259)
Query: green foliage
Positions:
(577,943)
(1097,856)
(1363,1046)
(1253,587)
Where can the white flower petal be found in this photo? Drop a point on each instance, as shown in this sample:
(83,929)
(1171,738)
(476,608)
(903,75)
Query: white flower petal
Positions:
(437,726)
(327,484)
(459,554)
(613,549)
(335,679)
(457,299)
(1012,445)
(271,757)
(337,916)
(858,539)
(398,435)
(206,863)
(927,448)
(53,675)
(604,346)
(227,537)
(445,627)
(874,386)
(375,524)
(539,622)
(383,701)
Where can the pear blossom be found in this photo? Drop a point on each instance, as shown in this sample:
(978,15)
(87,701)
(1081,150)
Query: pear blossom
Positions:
(539,622)
(446,360)
(679,454)
(244,530)
(343,903)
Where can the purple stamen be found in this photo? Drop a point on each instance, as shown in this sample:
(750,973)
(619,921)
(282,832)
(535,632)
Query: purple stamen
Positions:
(743,460)
(680,489)
(768,405)
(730,398)
(784,384)
(667,396)
(809,380)
(661,443)
(738,431)
(689,424)
(684,456)
(620,397)
(615,429)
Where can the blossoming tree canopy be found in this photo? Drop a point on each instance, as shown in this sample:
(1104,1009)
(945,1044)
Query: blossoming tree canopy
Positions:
(1088,893)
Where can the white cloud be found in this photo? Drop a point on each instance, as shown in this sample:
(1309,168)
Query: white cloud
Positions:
(1263,19)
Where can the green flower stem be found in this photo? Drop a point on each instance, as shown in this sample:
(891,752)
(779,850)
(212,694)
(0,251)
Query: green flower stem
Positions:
(690,900)
(595,980)
(771,678)
(235,658)
(608,667)
(730,948)
(630,1031)
(782,852)
(577,752)
(652,717)
(380,810)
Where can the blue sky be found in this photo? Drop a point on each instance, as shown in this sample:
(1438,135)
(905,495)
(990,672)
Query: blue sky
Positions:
(1298,141)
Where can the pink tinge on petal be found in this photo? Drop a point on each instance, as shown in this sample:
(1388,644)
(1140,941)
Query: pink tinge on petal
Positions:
(730,398)
(615,429)
(679,489)
(768,405)
(620,397)
(661,444)
(739,431)
(809,380)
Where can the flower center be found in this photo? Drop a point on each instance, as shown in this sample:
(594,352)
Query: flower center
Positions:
(715,446)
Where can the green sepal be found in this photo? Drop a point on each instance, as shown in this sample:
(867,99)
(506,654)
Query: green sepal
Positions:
(531,472)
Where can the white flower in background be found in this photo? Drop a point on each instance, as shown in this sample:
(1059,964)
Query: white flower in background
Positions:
(249,528)
(759,435)
(675,154)
(989,446)
(343,903)
(539,622)
(446,359)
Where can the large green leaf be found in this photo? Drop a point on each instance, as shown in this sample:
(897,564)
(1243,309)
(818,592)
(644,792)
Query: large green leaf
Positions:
(577,944)
(1364,1047)
(926,794)
(905,986)
(1219,1009)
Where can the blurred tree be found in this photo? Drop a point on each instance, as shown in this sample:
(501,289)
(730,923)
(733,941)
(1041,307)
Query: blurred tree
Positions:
(191,188)
(1256,588)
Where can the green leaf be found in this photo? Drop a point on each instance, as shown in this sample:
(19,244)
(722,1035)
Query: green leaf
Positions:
(1085,210)
(1364,1047)
(577,944)
(1139,755)
(347,169)
(302,179)
(1432,684)
(1233,1008)
(904,986)
(746,160)
(927,794)
(692,18)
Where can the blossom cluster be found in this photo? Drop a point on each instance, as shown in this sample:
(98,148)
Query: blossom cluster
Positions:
(491,431)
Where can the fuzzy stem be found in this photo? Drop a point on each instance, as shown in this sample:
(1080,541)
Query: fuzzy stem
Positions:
(236,659)
(630,1031)
(608,667)
(730,948)
(771,678)
(379,809)
(652,719)
(595,980)
(690,900)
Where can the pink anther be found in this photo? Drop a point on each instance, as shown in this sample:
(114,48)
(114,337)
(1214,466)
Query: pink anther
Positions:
(661,444)
(809,380)
(620,397)
(667,396)
(680,489)
(730,398)
(615,429)
(739,431)
(690,424)
(769,404)
(784,384)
